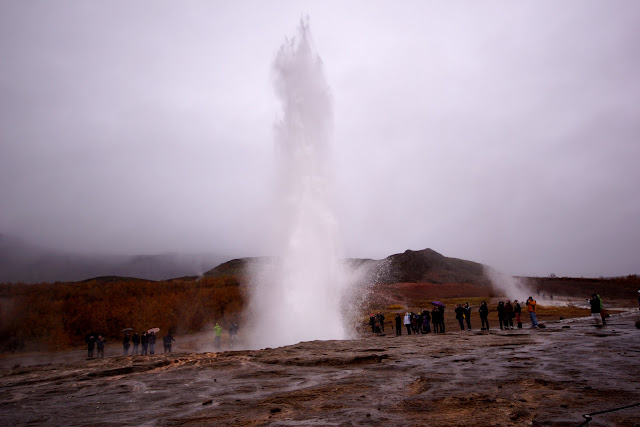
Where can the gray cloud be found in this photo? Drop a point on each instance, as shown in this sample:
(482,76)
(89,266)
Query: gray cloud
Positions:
(505,133)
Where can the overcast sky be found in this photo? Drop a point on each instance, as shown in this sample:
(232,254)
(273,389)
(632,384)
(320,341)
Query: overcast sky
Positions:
(502,132)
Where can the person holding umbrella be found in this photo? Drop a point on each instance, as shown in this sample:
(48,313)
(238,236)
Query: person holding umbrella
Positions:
(440,310)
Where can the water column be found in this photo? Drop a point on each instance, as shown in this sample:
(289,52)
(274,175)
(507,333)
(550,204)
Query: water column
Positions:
(299,296)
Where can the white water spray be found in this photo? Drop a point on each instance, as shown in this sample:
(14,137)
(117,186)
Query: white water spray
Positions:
(511,287)
(299,296)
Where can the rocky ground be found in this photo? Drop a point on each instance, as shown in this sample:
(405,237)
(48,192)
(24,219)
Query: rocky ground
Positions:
(549,376)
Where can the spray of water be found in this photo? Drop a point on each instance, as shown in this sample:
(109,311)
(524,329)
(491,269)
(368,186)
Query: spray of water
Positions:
(301,294)
(509,287)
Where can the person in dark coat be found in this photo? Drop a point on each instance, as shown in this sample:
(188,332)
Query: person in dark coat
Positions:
(398,324)
(100,342)
(125,344)
(501,314)
(517,312)
(509,315)
(152,343)
(467,315)
(91,344)
(426,320)
(144,340)
(484,314)
(596,306)
(441,318)
(460,315)
(167,342)
(434,319)
(135,339)
(381,318)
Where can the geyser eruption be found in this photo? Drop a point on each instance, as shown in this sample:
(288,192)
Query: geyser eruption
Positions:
(299,295)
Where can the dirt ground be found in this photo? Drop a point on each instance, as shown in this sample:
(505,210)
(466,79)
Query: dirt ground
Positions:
(549,376)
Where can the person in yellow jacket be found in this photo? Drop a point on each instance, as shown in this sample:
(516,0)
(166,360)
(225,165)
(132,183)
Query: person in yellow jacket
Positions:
(531,306)
(218,331)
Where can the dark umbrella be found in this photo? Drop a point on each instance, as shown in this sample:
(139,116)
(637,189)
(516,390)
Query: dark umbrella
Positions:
(127,330)
(438,303)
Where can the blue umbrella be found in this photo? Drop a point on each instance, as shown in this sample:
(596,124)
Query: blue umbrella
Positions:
(438,303)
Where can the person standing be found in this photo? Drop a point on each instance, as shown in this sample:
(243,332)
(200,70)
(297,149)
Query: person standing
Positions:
(233,334)
(398,324)
(100,342)
(426,319)
(531,307)
(603,312)
(168,338)
(517,310)
(135,339)
(218,331)
(435,321)
(484,314)
(460,316)
(501,314)
(144,340)
(509,315)
(467,315)
(440,311)
(407,322)
(125,344)
(595,302)
(91,344)
(152,343)
(381,317)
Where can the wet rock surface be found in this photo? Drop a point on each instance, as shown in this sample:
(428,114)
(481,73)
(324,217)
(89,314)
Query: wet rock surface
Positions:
(548,376)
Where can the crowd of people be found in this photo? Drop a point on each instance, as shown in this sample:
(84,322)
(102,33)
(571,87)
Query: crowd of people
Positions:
(510,316)
(424,322)
(144,344)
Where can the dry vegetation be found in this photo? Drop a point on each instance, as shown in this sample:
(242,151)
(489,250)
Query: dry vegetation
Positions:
(60,315)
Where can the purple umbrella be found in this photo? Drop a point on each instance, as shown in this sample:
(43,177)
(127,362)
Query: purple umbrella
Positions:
(438,303)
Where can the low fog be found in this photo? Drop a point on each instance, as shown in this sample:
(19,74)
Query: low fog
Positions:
(500,132)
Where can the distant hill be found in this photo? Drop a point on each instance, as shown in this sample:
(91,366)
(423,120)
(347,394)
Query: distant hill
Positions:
(429,266)
(22,262)
(424,266)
